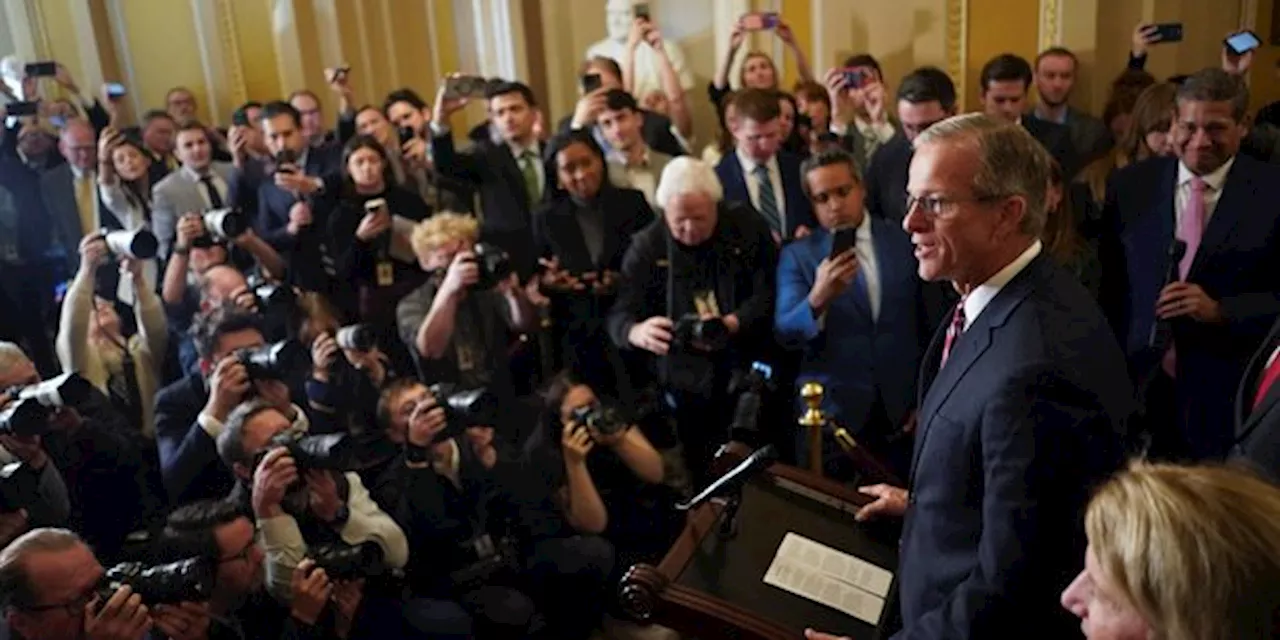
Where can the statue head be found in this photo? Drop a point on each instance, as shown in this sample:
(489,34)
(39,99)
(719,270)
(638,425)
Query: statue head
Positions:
(618,19)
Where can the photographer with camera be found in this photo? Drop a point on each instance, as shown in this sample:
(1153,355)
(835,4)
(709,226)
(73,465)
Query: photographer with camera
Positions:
(190,413)
(91,340)
(106,488)
(306,502)
(459,323)
(697,294)
(349,370)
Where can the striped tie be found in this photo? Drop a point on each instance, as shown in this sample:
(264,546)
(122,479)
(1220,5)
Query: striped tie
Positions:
(768,202)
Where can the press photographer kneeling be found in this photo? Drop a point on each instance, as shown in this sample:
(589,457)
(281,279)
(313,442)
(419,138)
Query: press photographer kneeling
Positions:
(307,505)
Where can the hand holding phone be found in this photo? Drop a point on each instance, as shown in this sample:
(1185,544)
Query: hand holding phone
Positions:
(116,90)
(854,77)
(46,69)
(1238,44)
(842,240)
(1167,32)
(641,11)
(591,82)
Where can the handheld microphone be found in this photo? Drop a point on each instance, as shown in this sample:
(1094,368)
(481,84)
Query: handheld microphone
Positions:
(1161,331)
(732,481)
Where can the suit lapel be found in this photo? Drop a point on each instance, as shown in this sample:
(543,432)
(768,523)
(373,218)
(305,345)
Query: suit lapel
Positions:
(509,168)
(1226,215)
(737,187)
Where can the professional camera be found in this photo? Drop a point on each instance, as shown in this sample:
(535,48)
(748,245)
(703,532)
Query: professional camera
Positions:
(334,452)
(464,408)
(272,297)
(189,580)
(222,225)
(138,244)
(349,562)
(270,361)
(750,385)
(605,419)
(494,264)
(710,333)
(357,337)
(28,413)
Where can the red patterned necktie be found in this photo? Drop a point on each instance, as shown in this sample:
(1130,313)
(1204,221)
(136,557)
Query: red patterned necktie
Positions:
(953,331)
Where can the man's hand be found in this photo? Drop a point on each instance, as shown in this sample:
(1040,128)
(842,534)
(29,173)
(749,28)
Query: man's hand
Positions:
(374,224)
(324,352)
(444,106)
(28,449)
(481,440)
(832,278)
(238,143)
(414,151)
(227,388)
(297,182)
(190,227)
(311,590)
(843,104)
(93,252)
(588,108)
(271,480)
(802,231)
(873,101)
(299,217)
(12,525)
(463,272)
(1234,64)
(338,80)
(123,617)
(652,335)
(347,596)
(322,492)
(1179,299)
(784,33)
(425,422)
(556,279)
(576,443)
(184,621)
(890,501)
(1144,35)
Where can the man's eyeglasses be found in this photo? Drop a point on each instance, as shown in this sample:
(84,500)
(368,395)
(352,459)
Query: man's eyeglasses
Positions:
(841,192)
(243,554)
(936,206)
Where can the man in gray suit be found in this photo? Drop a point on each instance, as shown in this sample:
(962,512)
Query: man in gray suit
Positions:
(199,185)
(1055,76)
(70,190)
(632,164)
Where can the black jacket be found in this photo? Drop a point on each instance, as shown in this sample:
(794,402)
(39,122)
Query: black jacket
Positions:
(655,130)
(189,460)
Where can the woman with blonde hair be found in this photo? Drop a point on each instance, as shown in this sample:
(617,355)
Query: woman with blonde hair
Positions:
(1147,136)
(1180,553)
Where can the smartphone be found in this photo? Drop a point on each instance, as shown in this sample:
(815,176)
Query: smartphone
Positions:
(760,20)
(1242,43)
(22,108)
(465,87)
(374,206)
(854,78)
(406,134)
(842,240)
(641,11)
(116,90)
(58,122)
(591,82)
(46,69)
(1168,32)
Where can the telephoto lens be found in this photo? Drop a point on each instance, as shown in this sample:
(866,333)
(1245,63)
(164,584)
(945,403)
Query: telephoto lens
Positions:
(356,337)
(271,361)
(189,580)
(28,414)
(464,408)
(225,224)
(138,244)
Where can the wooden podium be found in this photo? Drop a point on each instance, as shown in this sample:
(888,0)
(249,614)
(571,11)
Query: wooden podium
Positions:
(710,584)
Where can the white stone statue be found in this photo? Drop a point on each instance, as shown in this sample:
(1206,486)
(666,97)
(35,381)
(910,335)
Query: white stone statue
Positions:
(647,78)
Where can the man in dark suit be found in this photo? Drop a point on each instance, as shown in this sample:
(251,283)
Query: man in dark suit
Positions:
(1006,82)
(857,316)
(1257,418)
(1055,77)
(655,128)
(1022,394)
(758,173)
(1220,205)
(510,176)
(925,96)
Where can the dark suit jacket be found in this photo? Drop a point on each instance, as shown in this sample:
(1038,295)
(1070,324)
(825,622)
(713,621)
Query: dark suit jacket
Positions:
(189,460)
(1090,136)
(854,357)
(1236,265)
(798,210)
(1056,139)
(1013,434)
(274,203)
(1258,430)
(655,129)
(886,180)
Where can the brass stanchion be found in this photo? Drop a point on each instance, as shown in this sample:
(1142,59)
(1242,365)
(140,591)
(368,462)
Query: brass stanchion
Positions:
(814,420)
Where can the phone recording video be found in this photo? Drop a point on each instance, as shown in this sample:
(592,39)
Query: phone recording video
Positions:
(842,240)
(760,21)
(22,108)
(1168,32)
(855,77)
(47,69)
(116,90)
(1242,43)
(641,11)
(591,82)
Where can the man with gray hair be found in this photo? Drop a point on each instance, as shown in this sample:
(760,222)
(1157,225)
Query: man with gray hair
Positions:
(695,300)
(1023,388)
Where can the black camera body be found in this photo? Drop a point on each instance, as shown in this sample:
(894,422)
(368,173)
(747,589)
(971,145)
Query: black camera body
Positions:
(272,297)
(189,580)
(464,408)
(270,361)
(330,452)
(357,337)
(494,263)
(606,420)
(690,330)
(349,562)
(28,414)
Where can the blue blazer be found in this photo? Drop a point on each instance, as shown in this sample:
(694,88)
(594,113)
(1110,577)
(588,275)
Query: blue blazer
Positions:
(855,358)
(798,210)
(1013,434)
(1236,264)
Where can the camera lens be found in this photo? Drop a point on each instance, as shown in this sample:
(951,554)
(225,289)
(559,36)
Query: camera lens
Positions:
(138,244)
(225,224)
(357,337)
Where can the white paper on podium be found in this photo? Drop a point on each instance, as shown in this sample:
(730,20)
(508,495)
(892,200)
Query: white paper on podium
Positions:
(824,575)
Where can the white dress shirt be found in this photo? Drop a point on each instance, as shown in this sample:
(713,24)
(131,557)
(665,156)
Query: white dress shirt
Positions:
(1213,183)
(983,294)
(753,184)
(217,181)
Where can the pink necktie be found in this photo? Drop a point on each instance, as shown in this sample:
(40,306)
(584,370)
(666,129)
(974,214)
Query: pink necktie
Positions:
(1189,231)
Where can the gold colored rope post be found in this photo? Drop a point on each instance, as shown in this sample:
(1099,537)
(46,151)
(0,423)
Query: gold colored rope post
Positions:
(814,420)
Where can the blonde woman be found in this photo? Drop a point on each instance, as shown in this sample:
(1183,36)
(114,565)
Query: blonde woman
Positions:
(92,343)
(1180,553)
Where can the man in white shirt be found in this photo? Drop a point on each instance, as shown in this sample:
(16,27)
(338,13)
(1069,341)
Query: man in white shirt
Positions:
(632,164)
(200,185)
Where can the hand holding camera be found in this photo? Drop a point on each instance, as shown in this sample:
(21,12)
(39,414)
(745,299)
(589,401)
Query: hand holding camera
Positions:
(324,353)
(93,252)
(576,442)
(322,494)
(446,102)
(122,617)
(414,151)
(183,621)
(463,272)
(311,590)
(228,387)
(27,448)
(299,217)
(376,220)
(271,481)
(653,335)
(427,420)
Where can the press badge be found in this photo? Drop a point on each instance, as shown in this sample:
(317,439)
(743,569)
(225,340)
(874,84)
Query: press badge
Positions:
(386,274)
